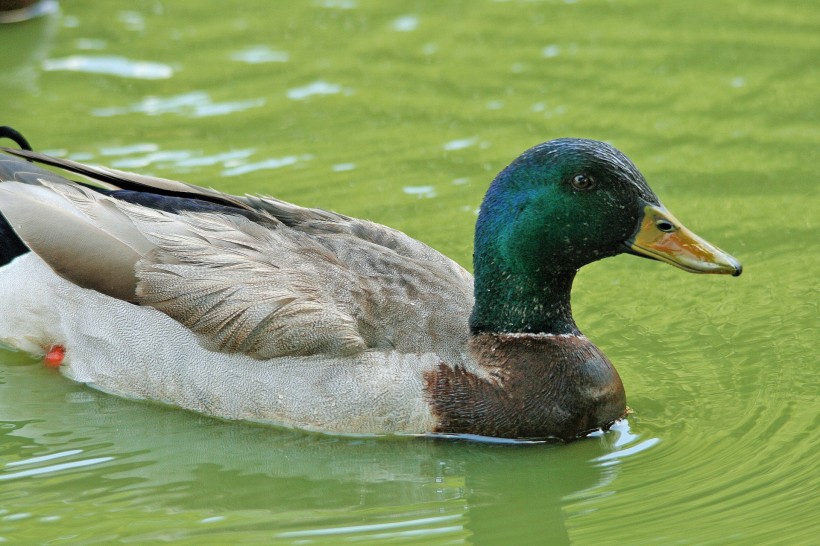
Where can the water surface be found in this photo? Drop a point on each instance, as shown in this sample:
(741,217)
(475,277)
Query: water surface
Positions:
(402,113)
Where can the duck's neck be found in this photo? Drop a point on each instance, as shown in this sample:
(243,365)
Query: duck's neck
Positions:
(507,301)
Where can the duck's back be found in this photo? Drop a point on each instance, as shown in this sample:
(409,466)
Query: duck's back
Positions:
(249,275)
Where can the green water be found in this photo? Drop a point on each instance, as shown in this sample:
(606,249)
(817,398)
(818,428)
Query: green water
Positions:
(401,112)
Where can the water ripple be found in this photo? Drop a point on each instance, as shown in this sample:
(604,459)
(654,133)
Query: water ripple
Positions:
(195,104)
(178,159)
(44,458)
(317,88)
(90,43)
(138,148)
(54,468)
(337,4)
(272,163)
(132,20)
(357,529)
(260,54)
(110,65)
(616,456)
(406,23)
(460,144)
(420,191)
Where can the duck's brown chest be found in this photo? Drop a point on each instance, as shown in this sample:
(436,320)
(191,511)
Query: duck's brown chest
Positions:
(530,386)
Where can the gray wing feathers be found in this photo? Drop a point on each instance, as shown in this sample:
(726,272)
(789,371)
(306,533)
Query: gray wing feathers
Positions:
(250,289)
(94,246)
(299,282)
(331,229)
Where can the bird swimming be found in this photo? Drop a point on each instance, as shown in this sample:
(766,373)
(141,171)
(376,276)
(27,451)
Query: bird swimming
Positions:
(252,308)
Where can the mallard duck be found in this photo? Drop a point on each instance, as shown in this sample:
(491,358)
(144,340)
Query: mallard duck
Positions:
(253,308)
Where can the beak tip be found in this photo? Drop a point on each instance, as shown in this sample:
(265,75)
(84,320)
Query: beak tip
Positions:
(733,263)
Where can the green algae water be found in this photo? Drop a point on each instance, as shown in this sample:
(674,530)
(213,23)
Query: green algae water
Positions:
(402,113)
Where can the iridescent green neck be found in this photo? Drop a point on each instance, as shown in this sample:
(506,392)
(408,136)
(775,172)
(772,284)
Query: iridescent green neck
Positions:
(523,276)
(510,301)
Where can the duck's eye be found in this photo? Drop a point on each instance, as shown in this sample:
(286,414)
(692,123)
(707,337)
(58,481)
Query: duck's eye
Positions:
(583,182)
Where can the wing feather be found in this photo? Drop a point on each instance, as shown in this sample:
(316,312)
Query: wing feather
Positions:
(271,279)
(244,287)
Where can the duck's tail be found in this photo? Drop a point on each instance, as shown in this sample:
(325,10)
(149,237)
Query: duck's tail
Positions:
(10,244)
(16,136)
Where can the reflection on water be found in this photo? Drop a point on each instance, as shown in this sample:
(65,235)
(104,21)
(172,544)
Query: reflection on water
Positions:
(317,88)
(421,191)
(260,54)
(460,143)
(147,155)
(403,116)
(32,40)
(271,163)
(405,23)
(90,43)
(110,65)
(49,469)
(195,104)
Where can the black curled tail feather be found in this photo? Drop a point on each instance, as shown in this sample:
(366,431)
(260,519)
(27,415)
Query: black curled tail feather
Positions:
(16,136)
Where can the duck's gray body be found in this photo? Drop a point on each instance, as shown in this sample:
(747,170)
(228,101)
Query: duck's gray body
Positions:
(272,313)
(139,352)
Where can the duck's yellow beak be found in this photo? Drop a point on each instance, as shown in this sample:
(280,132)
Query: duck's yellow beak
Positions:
(662,237)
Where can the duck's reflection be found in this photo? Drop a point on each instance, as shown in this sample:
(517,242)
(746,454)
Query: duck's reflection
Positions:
(25,45)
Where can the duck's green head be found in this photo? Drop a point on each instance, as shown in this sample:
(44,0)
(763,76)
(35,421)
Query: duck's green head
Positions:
(557,207)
